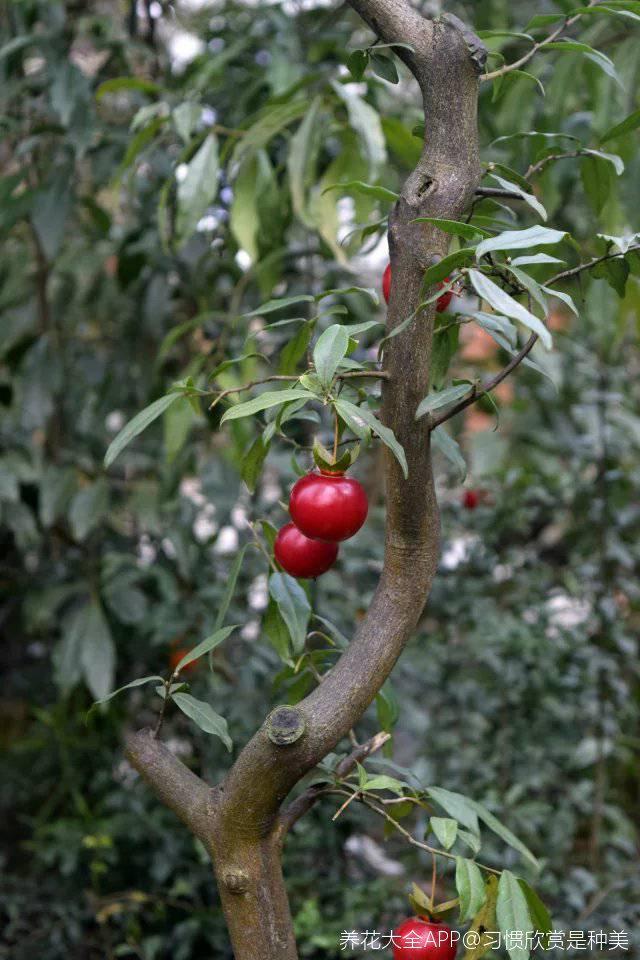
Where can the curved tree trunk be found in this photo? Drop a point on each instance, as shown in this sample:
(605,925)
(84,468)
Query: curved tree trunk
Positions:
(241,821)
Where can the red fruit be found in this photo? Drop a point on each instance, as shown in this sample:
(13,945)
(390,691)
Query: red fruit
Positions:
(386,283)
(420,939)
(302,557)
(441,303)
(176,656)
(328,506)
(470,499)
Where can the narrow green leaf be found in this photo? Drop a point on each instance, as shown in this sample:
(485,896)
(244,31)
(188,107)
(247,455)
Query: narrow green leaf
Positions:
(204,647)
(470,887)
(384,782)
(272,305)
(525,195)
(227,596)
(442,269)
(441,398)
(139,423)
(363,416)
(384,67)
(117,84)
(271,398)
(504,304)
(367,189)
(596,56)
(455,227)
(505,834)
(97,652)
(330,349)
(538,912)
(204,716)
(293,605)
(520,240)
(630,123)
(457,806)
(128,686)
(450,449)
(199,187)
(365,121)
(512,913)
(616,162)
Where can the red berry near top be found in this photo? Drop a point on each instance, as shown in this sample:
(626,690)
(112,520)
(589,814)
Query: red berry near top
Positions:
(328,506)
(420,939)
(302,557)
(441,303)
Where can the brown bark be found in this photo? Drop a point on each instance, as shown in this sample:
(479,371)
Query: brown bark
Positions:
(240,821)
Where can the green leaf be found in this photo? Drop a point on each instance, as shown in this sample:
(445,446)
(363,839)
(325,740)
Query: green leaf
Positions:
(565,297)
(128,686)
(383,782)
(457,806)
(505,834)
(272,121)
(598,180)
(253,461)
(596,56)
(244,217)
(204,647)
(199,187)
(540,916)
(88,508)
(616,162)
(186,117)
(295,350)
(384,67)
(445,829)
(450,449)
(470,887)
(455,227)
(357,62)
(531,285)
(630,123)
(534,258)
(441,398)
(512,913)
(365,121)
(520,240)
(271,398)
(118,84)
(387,708)
(362,417)
(301,161)
(97,652)
(525,195)
(230,587)
(139,423)
(272,305)
(445,344)
(345,291)
(366,189)
(443,268)
(205,717)
(277,632)
(293,606)
(330,349)
(504,304)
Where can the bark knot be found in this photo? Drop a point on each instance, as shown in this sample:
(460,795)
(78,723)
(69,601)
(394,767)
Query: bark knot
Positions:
(285,725)
(236,881)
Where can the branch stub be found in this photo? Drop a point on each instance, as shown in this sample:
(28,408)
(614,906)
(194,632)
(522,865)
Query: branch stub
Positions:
(285,725)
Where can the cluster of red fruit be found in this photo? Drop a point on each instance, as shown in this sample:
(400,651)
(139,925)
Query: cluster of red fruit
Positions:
(326,507)
(441,303)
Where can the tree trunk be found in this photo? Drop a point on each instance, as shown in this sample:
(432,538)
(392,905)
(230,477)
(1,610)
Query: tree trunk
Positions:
(241,821)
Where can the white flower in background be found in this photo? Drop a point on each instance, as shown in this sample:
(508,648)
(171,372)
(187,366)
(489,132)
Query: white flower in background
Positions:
(457,551)
(239,516)
(259,593)
(114,421)
(169,549)
(227,541)
(191,489)
(181,172)
(243,259)
(146,551)
(502,572)
(566,611)
(204,526)
(251,630)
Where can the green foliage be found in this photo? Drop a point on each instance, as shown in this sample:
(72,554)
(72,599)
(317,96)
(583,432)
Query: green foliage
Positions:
(153,222)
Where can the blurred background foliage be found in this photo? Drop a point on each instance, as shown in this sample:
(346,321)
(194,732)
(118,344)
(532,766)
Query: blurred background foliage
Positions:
(521,686)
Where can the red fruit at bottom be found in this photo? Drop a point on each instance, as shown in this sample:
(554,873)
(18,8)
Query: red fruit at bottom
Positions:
(328,506)
(419,939)
(441,303)
(470,499)
(302,557)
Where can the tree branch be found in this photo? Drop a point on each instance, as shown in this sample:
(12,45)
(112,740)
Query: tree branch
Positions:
(176,786)
(574,271)
(477,392)
(537,46)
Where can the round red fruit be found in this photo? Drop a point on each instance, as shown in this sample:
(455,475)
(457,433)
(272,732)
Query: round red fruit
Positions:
(302,557)
(441,303)
(328,506)
(386,283)
(420,939)
(176,656)
(470,499)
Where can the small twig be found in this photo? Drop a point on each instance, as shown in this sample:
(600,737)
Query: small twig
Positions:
(534,49)
(302,804)
(574,271)
(497,192)
(541,164)
(248,386)
(477,392)
(163,708)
